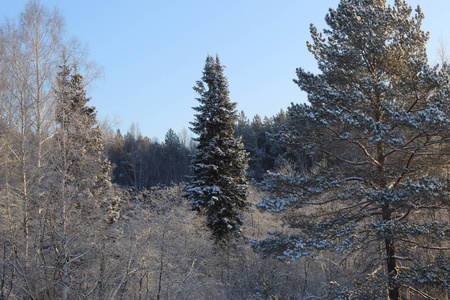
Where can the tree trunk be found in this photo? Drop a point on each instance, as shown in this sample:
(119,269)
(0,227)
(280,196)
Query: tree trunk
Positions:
(391,261)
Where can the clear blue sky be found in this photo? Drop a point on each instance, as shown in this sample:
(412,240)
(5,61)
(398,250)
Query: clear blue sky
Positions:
(153,51)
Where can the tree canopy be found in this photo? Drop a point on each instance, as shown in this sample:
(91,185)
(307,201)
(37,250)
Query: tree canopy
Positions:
(218,187)
(377,128)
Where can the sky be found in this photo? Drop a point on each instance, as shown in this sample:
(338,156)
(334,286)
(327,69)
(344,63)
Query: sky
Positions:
(153,51)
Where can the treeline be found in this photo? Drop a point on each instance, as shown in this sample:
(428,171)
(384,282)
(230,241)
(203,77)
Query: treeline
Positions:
(353,187)
(141,163)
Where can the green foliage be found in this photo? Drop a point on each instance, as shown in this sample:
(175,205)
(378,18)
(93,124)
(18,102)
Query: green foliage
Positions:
(377,129)
(218,187)
(142,163)
(259,137)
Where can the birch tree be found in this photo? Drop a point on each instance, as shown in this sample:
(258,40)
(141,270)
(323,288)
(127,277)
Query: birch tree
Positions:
(30,49)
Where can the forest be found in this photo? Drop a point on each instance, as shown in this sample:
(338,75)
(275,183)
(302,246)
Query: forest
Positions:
(343,197)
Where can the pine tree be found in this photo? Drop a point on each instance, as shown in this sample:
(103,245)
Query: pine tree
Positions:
(377,128)
(218,187)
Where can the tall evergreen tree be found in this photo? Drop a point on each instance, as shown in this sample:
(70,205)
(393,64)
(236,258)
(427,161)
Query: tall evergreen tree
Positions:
(377,126)
(78,134)
(218,187)
(78,192)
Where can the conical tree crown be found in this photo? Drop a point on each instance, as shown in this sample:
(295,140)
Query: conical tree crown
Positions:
(218,187)
(78,136)
(216,113)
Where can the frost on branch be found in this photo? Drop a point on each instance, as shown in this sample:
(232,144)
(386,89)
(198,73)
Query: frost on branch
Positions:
(218,187)
(377,129)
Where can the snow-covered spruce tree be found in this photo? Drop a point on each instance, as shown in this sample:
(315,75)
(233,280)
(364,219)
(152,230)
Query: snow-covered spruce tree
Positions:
(78,187)
(218,187)
(377,127)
